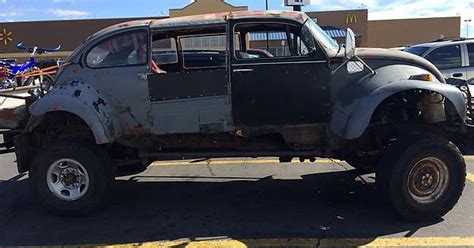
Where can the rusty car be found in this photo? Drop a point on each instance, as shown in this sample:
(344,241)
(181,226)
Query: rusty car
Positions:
(208,87)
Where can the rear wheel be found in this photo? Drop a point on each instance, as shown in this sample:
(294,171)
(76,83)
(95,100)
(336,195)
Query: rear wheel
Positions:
(71,179)
(423,177)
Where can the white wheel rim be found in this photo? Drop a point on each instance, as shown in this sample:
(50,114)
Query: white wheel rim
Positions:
(67,179)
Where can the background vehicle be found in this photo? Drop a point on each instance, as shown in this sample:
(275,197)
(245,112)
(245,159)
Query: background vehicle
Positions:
(453,57)
(381,110)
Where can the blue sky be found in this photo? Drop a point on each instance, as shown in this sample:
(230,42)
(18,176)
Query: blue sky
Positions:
(29,10)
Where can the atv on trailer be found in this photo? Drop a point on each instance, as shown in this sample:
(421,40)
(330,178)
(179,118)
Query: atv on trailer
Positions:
(208,86)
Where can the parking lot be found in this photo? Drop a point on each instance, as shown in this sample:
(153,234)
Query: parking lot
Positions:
(232,203)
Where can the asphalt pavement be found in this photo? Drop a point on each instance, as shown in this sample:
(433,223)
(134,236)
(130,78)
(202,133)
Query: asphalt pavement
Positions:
(244,202)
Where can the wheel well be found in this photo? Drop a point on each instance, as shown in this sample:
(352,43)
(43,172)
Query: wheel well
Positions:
(406,113)
(61,125)
(409,106)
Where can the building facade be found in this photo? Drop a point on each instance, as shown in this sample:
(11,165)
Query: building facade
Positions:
(380,33)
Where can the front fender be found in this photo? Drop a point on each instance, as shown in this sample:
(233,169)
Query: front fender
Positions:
(86,102)
(357,120)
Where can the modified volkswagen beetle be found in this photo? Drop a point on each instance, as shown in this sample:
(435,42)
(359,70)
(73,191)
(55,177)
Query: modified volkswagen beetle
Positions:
(243,84)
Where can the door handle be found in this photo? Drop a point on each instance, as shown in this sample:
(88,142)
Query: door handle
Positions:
(243,70)
(457,74)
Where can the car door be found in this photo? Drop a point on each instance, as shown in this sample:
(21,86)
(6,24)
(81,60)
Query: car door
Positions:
(189,89)
(117,64)
(276,79)
(449,60)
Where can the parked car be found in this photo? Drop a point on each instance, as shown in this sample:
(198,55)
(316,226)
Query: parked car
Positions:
(453,57)
(136,92)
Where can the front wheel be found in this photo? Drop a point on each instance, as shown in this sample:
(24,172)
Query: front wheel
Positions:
(422,176)
(71,179)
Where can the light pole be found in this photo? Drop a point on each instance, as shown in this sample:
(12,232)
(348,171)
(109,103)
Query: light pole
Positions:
(467,21)
(266,4)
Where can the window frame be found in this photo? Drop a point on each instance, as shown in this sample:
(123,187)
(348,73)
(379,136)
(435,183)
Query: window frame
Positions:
(176,47)
(428,53)
(181,51)
(114,35)
(470,61)
(263,60)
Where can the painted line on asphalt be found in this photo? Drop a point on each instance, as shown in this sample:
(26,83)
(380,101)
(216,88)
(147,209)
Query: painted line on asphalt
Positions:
(236,162)
(470,177)
(316,242)
(251,161)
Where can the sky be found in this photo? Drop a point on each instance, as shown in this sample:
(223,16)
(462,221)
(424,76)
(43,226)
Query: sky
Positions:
(31,10)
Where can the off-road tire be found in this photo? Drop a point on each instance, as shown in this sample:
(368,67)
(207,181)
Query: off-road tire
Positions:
(398,162)
(99,171)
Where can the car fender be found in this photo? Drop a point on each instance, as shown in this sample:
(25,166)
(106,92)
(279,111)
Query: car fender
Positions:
(350,117)
(86,102)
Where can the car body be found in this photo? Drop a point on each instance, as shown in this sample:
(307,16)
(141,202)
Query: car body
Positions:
(454,58)
(152,89)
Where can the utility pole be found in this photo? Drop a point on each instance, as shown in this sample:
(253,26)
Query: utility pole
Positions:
(266,34)
(467,21)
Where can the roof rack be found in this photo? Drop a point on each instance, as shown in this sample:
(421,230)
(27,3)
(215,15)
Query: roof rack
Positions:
(453,39)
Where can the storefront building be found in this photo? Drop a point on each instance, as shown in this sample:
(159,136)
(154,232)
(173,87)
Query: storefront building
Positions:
(380,33)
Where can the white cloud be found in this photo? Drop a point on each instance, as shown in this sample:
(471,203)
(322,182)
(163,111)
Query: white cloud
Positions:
(68,13)
(8,14)
(63,1)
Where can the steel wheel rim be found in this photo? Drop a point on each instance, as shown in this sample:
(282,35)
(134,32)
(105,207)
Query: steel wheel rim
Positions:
(67,179)
(428,180)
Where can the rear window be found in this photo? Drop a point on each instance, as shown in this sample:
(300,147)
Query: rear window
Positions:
(416,50)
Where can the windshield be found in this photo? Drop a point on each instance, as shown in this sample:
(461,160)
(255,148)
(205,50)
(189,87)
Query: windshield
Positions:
(416,50)
(325,40)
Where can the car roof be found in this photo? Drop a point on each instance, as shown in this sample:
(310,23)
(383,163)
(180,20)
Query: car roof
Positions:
(444,43)
(198,20)
(223,17)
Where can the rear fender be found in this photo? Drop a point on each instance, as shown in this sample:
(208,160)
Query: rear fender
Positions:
(84,101)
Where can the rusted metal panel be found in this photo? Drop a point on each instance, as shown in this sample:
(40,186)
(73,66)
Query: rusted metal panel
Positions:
(85,101)
(194,115)
(223,17)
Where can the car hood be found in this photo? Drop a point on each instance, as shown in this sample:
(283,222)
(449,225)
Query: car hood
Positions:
(387,54)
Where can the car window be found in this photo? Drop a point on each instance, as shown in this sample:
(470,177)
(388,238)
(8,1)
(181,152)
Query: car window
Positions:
(470,51)
(272,40)
(164,51)
(125,49)
(416,50)
(446,57)
(203,51)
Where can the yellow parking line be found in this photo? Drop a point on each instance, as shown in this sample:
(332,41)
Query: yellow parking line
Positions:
(234,162)
(374,242)
(251,161)
(470,177)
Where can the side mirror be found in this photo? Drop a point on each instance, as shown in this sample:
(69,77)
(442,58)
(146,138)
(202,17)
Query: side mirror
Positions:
(350,43)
